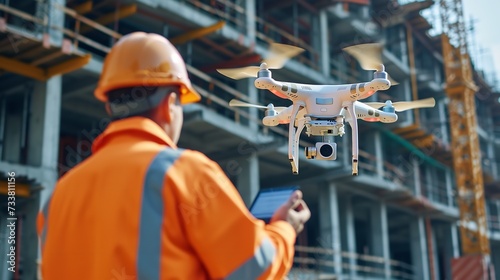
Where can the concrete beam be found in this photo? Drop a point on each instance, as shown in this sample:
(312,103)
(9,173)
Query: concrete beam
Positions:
(226,124)
(188,13)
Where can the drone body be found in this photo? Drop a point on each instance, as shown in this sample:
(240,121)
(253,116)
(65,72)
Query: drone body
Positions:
(321,109)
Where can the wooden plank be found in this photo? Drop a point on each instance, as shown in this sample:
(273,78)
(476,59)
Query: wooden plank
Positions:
(84,8)
(21,190)
(24,69)
(200,32)
(405,129)
(68,66)
(122,12)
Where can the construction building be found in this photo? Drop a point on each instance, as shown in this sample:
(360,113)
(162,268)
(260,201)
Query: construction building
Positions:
(419,201)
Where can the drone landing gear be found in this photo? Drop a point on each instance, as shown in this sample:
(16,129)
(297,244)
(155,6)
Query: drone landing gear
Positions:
(293,141)
(354,167)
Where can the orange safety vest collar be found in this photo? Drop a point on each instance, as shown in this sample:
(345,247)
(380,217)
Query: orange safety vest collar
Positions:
(147,128)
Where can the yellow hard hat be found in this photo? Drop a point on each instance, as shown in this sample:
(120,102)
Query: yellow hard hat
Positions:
(144,60)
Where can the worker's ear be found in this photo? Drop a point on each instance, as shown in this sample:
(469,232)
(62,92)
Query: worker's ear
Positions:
(168,106)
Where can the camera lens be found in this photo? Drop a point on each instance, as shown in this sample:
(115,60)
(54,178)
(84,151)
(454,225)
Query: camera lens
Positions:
(326,150)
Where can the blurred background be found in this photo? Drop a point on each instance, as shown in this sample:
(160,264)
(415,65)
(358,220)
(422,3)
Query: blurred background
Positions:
(427,200)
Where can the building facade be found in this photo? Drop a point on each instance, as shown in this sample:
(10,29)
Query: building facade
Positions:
(397,220)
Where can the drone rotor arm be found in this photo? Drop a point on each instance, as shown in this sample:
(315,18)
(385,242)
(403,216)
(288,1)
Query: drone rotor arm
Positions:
(375,105)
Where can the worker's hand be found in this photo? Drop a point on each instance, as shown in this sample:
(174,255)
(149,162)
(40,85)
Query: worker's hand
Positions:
(294,211)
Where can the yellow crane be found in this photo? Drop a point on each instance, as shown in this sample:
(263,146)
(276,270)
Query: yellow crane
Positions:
(460,90)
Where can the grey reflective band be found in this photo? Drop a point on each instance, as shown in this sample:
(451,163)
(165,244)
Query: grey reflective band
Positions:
(255,266)
(151,217)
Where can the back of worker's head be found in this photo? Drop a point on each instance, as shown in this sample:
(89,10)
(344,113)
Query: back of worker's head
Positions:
(142,74)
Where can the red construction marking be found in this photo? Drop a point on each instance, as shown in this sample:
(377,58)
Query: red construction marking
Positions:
(468,268)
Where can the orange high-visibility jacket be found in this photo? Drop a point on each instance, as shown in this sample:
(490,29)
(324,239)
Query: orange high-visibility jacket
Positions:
(140,208)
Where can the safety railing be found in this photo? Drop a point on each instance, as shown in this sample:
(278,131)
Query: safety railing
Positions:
(368,163)
(226,10)
(269,33)
(321,260)
(235,15)
(435,191)
(345,69)
(80,21)
(44,25)
(493,223)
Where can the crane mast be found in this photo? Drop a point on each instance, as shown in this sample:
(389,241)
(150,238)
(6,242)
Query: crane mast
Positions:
(460,89)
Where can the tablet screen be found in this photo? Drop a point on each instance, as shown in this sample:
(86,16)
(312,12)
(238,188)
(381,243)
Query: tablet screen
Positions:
(269,200)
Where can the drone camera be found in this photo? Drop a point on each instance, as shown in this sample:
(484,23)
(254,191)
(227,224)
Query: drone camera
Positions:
(322,151)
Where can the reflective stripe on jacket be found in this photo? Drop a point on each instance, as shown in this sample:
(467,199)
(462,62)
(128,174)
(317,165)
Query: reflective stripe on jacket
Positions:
(140,208)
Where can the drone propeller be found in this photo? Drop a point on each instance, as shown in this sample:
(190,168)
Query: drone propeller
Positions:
(278,55)
(238,103)
(369,57)
(405,105)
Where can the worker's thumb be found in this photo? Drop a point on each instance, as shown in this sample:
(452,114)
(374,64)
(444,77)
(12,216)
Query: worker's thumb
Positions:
(295,199)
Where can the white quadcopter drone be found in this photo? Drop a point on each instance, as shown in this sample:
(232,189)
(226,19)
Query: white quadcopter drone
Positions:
(321,109)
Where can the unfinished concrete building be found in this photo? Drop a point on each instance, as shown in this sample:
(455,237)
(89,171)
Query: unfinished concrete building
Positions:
(399,219)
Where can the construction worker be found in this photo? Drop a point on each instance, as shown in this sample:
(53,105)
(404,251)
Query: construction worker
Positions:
(140,207)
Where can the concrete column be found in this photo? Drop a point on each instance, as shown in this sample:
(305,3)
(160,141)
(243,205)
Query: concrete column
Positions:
(324,54)
(379,154)
(495,259)
(43,132)
(250,9)
(416,176)
(248,179)
(443,126)
(29,237)
(404,47)
(247,86)
(380,235)
(329,225)
(449,188)
(429,185)
(491,154)
(349,231)
(346,150)
(435,254)
(498,219)
(419,249)
(407,95)
(451,247)
(48,10)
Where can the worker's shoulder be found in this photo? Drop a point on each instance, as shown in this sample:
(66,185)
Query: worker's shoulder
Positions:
(195,158)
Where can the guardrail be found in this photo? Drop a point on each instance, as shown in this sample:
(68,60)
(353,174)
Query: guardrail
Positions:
(321,260)
(235,16)
(74,35)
